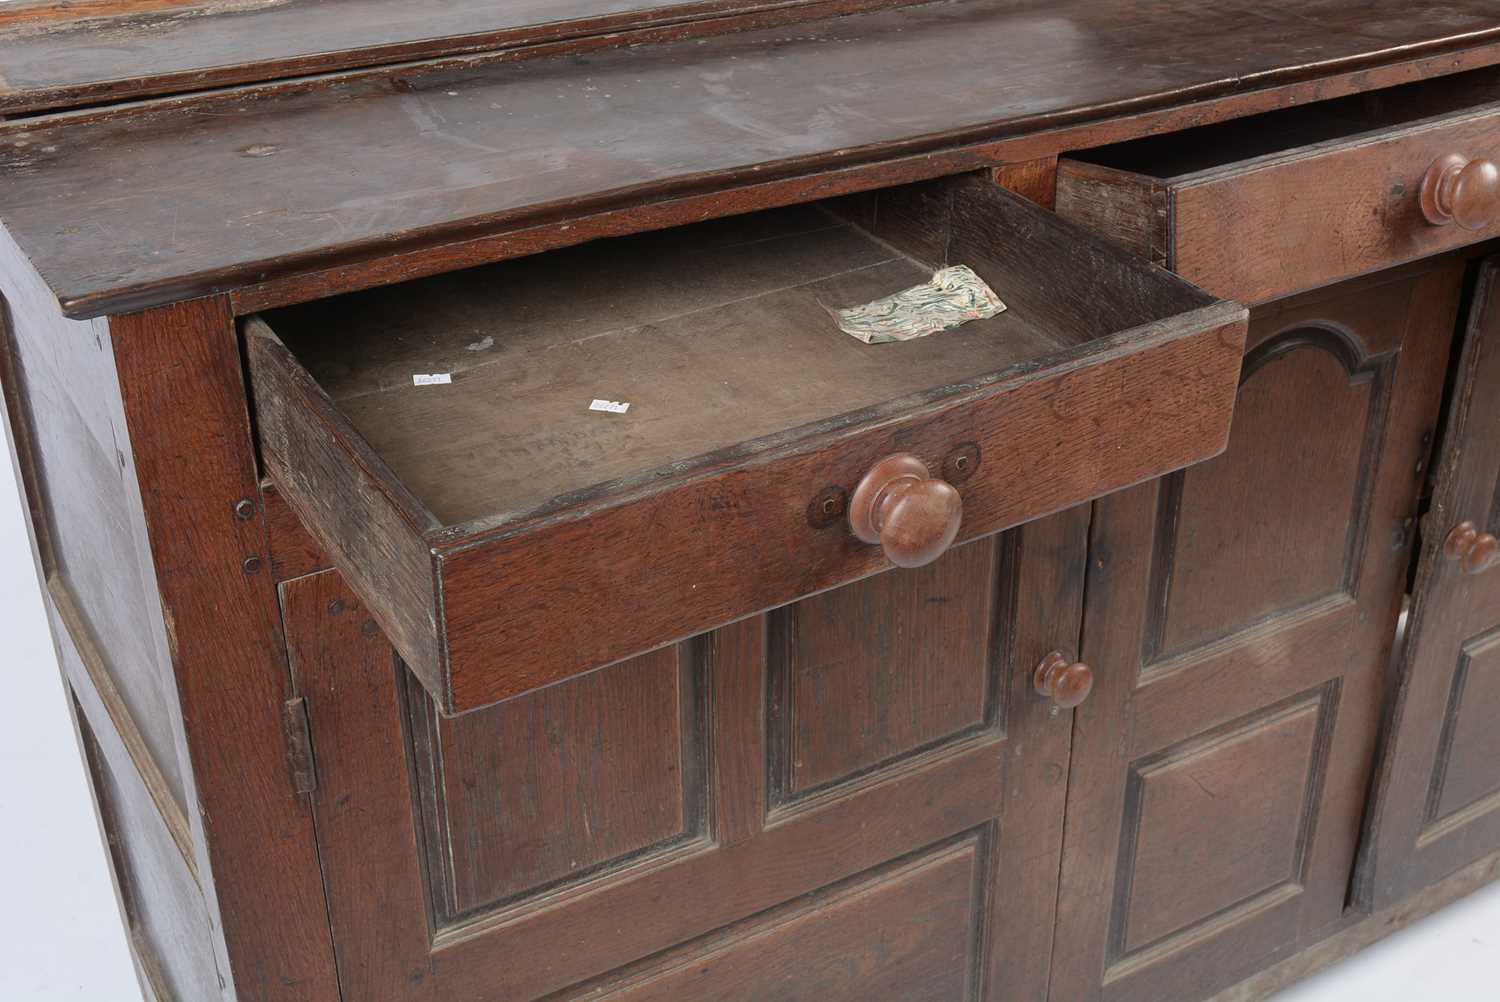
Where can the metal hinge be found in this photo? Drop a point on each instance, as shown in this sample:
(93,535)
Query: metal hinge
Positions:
(299,749)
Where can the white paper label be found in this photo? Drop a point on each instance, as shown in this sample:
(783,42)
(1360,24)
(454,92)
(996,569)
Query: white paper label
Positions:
(431,378)
(612,406)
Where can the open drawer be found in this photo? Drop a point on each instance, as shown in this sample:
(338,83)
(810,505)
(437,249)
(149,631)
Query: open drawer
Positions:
(1258,208)
(507,536)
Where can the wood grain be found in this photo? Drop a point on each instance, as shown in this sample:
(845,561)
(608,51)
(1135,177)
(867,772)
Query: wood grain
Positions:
(856,692)
(853,942)
(1288,201)
(321,470)
(69,53)
(97,202)
(1045,432)
(1175,928)
(527,794)
(1435,807)
(369,840)
(227,647)
(64,403)
(649,920)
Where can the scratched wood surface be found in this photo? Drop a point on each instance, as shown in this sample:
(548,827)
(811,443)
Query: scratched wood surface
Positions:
(228,189)
(64,54)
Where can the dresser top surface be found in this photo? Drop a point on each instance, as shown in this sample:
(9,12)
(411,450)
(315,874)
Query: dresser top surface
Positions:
(123,208)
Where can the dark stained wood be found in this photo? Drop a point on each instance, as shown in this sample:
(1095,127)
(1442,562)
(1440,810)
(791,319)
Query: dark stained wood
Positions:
(63,400)
(293,551)
(230,666)
(109,50)
(857,941)
(526,794)
(1232,570)
(320,470)
(64,416)
(857,795)
(844,698)
(1219,820)
(1289,201)
(736,736)
(373,268)
(1221,765)
(642,923)
(98,201)
(1035,400)
(369,841)
(1437,794)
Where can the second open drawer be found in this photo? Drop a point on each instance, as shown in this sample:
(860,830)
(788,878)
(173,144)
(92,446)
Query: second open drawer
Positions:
(508,536)
(1259,208)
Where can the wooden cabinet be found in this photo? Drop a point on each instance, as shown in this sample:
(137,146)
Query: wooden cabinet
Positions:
(1437,800)
(1050,657)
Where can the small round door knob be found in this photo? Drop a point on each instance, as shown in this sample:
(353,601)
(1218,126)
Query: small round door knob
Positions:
(1475,551)
(1458,190)
(899,505)
(1067,683)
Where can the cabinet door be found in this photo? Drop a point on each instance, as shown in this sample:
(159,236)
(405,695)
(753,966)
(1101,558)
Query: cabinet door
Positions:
(856,796)
(1239,617)
(1437,802)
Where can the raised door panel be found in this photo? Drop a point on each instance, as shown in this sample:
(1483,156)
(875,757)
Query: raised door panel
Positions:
(1468,763)
(529,793)
(1239,620)
(1231,566)
(906,931)
(1217,821)
(1437,795)
(831,795)
(849,693)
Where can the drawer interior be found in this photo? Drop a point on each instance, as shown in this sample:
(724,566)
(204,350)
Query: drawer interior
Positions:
(508,533)
(718,335)
(1178,155)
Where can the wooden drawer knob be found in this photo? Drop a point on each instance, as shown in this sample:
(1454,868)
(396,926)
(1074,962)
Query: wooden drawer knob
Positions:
(1475,551)
(1458,190)
(1066,683)
(900,506)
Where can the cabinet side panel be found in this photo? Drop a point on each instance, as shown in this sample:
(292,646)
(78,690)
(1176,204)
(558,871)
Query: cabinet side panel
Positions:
(169,926)
(64,405)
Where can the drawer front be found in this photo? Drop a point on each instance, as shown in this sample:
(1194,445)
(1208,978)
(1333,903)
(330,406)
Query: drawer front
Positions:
(489,609)
(1276,224)
(751,537)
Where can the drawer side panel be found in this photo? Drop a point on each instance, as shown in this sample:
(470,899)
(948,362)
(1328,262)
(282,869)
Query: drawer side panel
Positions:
(369,525)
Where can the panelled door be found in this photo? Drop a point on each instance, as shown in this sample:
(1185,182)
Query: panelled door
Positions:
(1239,618)
(856,797)
(1437,802)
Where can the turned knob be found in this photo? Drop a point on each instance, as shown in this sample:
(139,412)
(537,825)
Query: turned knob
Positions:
(1458,190)
(899,505)
(1475,551)
(1065,683)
